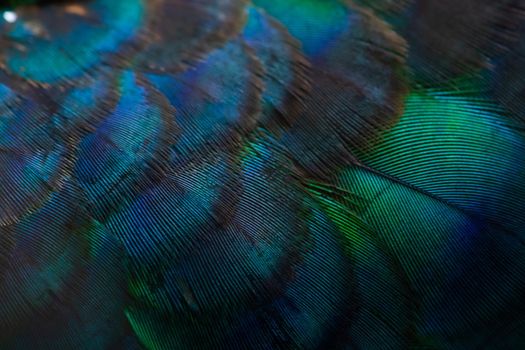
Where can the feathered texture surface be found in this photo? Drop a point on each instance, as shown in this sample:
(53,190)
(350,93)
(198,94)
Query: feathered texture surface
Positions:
(265,174)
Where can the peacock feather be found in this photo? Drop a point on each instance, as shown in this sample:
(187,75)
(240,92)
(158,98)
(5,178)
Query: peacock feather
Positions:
(262,174)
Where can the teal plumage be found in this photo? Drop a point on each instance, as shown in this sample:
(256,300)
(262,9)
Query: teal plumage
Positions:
(235,174)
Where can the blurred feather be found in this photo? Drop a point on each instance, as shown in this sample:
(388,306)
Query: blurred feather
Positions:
(357,80)
(235,174)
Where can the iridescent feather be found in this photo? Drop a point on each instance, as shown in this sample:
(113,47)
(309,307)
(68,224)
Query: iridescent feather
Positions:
(265,174)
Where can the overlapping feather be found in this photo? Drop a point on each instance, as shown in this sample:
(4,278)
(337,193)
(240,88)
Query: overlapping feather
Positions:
(262,174)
